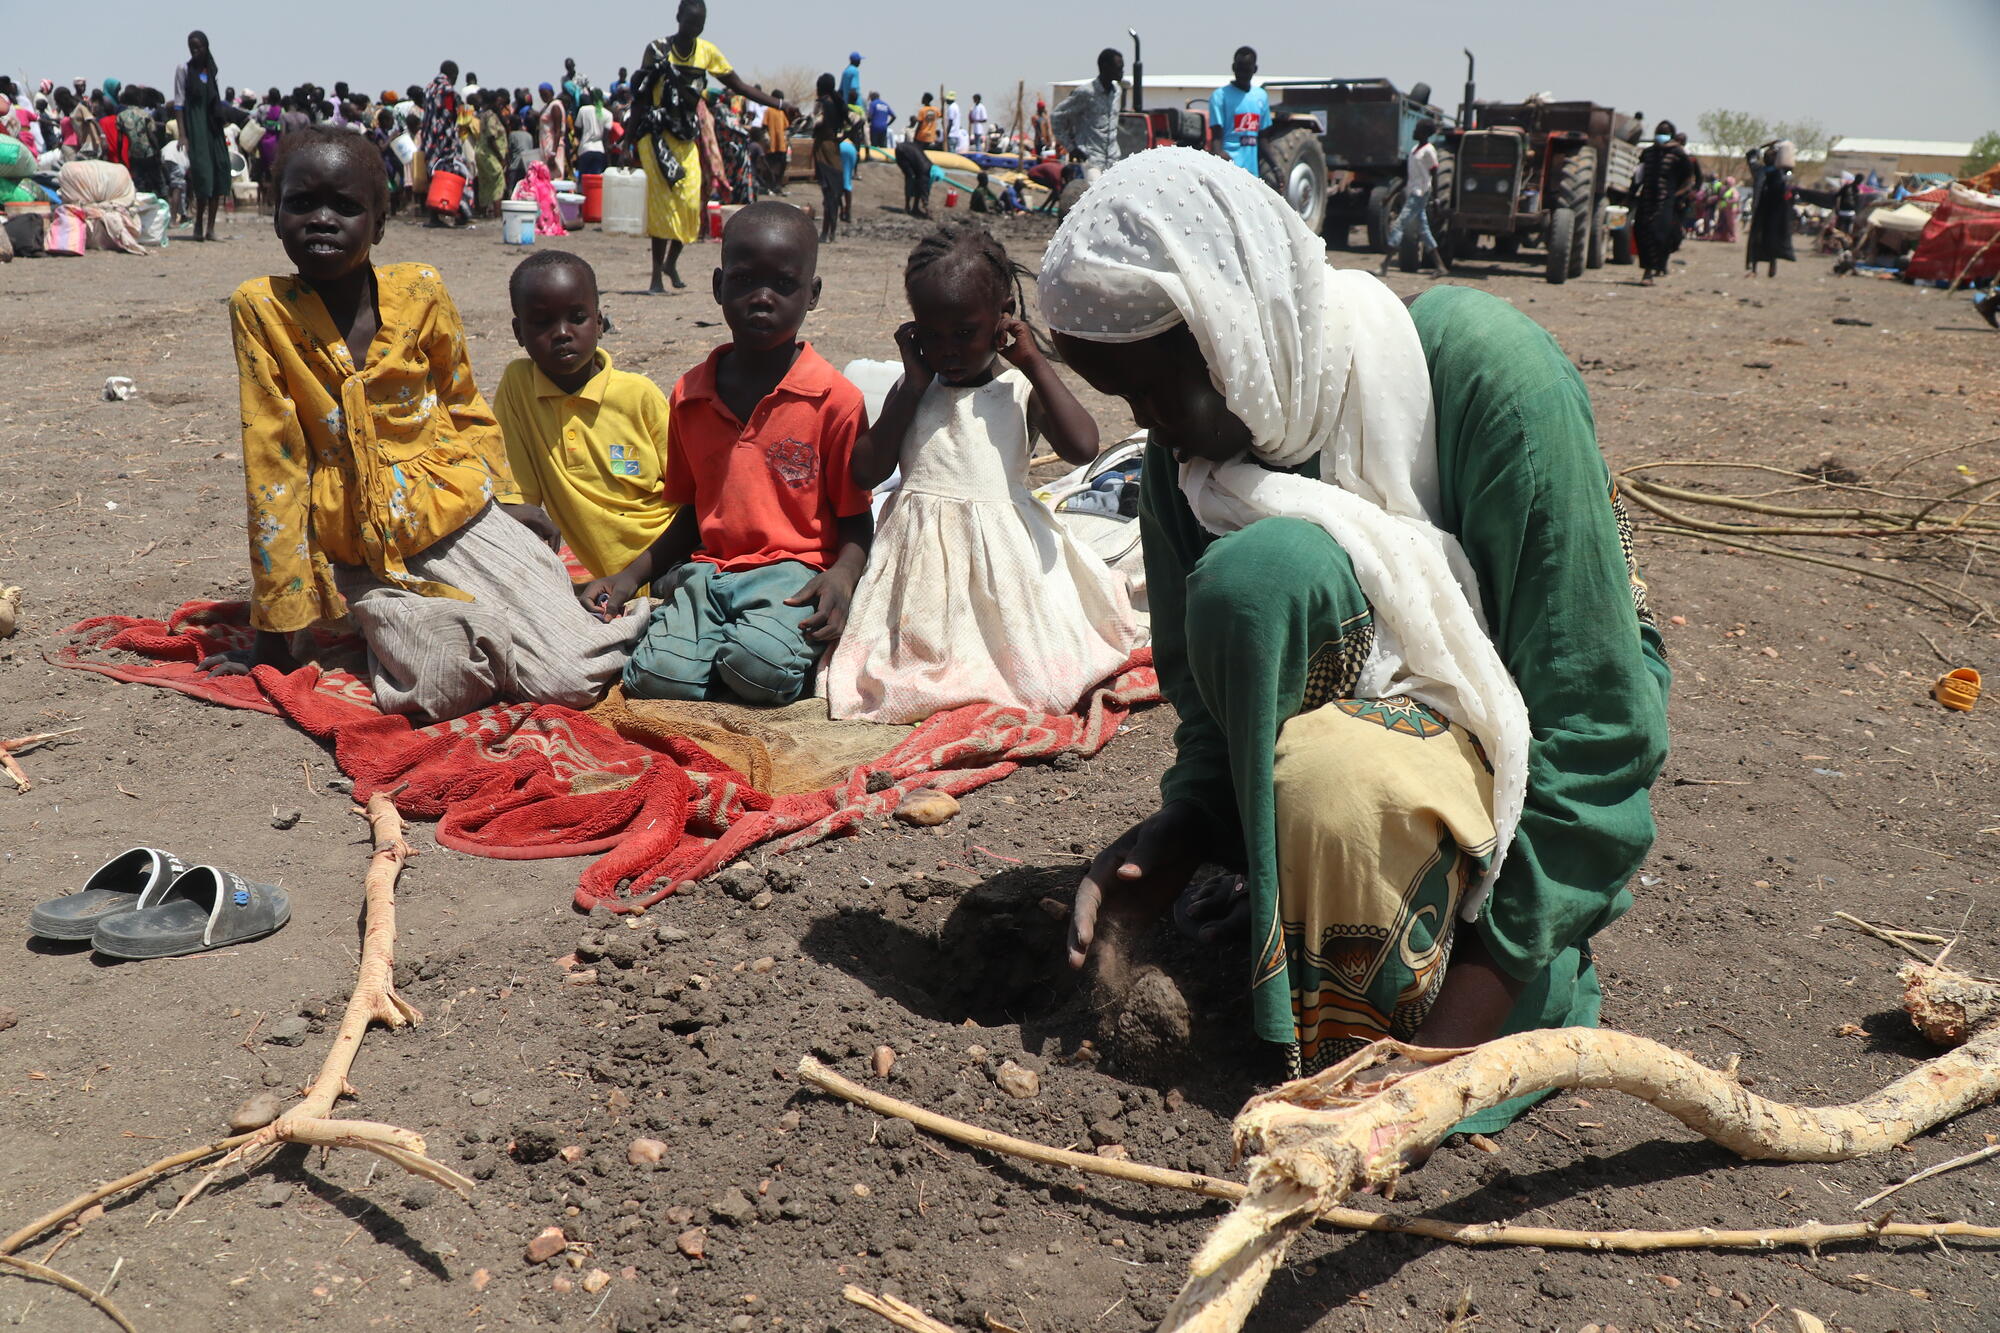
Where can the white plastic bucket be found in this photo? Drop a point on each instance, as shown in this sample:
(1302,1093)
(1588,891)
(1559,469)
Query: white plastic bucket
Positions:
(404,147)
(624,202)
(517,221)
(571,208)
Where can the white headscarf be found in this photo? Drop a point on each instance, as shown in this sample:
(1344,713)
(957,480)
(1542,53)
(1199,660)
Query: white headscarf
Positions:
(1315,361)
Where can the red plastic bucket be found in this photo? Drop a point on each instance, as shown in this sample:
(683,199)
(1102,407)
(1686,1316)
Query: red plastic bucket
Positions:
(951,197)
(447,188)
(592,187)
(715,219)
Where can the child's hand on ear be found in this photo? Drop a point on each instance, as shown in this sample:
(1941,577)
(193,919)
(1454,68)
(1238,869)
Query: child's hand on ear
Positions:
(915,369)
(1016,342)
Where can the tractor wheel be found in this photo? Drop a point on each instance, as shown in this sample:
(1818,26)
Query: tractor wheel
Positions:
(1579,169)
(1384,202)
(1600,236)
(1561,238)
(1292,161)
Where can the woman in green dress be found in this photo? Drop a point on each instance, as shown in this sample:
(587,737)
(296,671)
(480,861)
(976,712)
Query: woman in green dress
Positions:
(1421,703)
(198,99)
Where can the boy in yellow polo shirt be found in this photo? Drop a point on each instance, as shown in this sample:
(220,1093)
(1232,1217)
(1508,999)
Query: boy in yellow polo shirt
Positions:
(587,442)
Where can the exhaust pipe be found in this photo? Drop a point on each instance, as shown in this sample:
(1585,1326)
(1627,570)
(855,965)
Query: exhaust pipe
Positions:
(1138,72)
(1466,119)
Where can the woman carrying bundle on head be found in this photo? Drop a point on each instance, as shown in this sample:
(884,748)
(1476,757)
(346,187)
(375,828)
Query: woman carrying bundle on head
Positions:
(1421,704)
(665,126)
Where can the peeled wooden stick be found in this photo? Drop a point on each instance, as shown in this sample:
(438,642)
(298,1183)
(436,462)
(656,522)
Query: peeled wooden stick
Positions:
(42,1272)
(900,1313)
(374,998)
(813,1072)
(1314,1142)
(1811,1235)
(21,745)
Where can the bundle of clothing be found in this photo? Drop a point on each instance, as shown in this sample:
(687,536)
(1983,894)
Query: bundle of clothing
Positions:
(101,194)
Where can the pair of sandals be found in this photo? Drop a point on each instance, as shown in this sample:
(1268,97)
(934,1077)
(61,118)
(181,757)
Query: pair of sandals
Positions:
(147,903)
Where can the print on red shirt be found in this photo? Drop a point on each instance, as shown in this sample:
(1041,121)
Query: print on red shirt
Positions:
(793,462)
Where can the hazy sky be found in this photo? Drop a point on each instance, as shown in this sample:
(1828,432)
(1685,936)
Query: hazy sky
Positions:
(1916,69)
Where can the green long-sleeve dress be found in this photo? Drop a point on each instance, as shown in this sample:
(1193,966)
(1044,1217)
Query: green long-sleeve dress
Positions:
(1246,625)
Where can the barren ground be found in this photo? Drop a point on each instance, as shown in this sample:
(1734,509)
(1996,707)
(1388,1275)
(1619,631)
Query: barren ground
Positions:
(1811,774)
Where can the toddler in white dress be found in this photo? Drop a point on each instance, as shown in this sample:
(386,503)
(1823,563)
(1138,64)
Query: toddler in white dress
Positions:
(973,592)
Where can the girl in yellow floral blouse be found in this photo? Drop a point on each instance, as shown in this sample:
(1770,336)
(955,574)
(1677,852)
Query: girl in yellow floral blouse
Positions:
(376,474)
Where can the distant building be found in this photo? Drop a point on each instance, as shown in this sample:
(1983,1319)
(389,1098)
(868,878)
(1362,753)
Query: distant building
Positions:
(1887,158)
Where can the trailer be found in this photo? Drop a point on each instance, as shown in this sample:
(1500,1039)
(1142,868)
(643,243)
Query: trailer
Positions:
(1336,150)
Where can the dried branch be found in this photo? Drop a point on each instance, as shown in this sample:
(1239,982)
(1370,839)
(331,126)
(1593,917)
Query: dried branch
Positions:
(374,1000)
(1810,1236)
(898,1312)
(43,1273)
(1967,1159)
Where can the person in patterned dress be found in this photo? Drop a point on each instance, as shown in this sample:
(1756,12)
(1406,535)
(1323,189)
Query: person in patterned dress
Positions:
(1421,702)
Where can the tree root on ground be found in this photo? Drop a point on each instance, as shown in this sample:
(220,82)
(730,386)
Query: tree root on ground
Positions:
(43,1273)
(1315,1141)
(1810,1236)
(374,1000)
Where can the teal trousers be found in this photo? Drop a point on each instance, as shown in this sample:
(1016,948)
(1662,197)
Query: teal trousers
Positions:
(726,635)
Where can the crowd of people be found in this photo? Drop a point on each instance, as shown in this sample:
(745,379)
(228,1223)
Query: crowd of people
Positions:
(685,116)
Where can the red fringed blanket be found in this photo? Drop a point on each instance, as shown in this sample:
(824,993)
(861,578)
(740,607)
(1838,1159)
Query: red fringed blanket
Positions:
(525,781)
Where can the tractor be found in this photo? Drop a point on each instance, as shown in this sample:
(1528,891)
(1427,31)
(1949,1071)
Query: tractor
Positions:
(1336,149)
(1537,173)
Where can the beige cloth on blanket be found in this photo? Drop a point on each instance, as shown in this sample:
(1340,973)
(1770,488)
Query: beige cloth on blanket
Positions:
(784,751)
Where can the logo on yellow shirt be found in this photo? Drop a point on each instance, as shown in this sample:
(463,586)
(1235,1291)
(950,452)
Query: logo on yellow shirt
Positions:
(624,461)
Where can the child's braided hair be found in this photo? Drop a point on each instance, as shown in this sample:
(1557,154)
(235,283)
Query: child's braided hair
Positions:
(965,247)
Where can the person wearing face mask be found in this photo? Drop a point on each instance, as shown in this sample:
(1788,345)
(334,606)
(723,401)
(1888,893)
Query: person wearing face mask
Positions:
(1665,175)
(1421,701)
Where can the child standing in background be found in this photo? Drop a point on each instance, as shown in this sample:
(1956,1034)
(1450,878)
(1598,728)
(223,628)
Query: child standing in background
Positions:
(587,442)
(975,593)
(828,133)
(372,465)
(764,431)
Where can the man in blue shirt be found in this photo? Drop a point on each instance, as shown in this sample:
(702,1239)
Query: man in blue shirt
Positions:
(1238,113)
(880,117)
(850,81)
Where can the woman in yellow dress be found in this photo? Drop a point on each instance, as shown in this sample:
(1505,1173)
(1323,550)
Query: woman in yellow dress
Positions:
(666,94)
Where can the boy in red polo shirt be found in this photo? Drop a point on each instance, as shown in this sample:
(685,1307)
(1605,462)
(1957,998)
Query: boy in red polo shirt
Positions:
(758,568)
